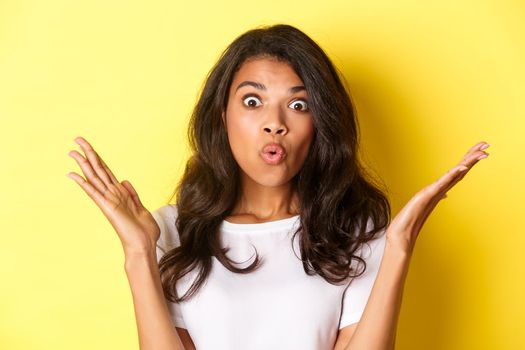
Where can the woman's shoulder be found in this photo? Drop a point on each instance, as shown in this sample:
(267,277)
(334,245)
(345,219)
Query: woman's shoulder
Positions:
(376,244)
(165,211)
(165,216)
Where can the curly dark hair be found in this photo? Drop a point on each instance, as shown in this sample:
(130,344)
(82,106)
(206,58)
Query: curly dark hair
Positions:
(338,197)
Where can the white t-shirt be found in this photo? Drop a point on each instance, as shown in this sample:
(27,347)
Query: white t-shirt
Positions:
(277,306)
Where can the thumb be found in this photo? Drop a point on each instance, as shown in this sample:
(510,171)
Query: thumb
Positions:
(133,193)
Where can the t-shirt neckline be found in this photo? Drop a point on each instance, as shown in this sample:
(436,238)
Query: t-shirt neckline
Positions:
(260,226)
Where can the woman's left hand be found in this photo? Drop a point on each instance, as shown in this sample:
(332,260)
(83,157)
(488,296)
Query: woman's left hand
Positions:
(404,228)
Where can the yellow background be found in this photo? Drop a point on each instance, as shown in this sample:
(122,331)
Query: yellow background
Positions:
(429,80)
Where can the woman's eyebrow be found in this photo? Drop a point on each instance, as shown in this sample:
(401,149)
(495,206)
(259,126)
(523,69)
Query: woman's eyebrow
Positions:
(260,86)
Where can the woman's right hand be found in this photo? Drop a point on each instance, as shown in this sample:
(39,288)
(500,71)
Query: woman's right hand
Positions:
(137,229)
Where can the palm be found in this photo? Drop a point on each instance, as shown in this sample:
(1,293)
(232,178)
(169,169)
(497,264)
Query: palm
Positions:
(405,227)
(136,227)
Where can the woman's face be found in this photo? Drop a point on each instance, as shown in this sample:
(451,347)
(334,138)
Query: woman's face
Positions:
(267,102)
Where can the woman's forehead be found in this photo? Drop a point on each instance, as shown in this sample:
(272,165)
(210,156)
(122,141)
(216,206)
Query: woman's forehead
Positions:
(267,70)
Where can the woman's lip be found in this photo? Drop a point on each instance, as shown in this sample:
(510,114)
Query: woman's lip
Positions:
(273,159)
(279,153)
(273,146)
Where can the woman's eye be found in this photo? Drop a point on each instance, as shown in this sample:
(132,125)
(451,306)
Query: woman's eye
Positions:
(251,101)
(299,105)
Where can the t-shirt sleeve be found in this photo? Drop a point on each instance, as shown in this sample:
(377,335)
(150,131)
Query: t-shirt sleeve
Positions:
(358,291)
(165,217)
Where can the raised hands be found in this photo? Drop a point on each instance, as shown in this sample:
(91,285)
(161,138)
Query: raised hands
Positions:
(404,228)
(134,224)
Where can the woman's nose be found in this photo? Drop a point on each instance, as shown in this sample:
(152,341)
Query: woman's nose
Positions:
(275,130)
(275,123)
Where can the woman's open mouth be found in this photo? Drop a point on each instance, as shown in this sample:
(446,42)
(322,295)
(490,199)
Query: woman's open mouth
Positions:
(273,154)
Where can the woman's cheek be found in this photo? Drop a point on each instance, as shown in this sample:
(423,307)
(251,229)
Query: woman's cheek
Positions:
(241,138)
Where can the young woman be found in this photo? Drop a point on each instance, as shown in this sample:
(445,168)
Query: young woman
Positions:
(272,214)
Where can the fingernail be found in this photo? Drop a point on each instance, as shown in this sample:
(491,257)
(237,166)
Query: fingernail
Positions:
(483,156)
(484,146)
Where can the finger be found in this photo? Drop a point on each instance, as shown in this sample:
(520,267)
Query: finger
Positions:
(94,159)
(447,177)
(442,185)
(474,158)
(474,155)
(477,147)
(91,191)
(475,151)
(451,177)
(437,191)
(133,193)
(469,164)
(420,220)
(429,196)
(434,193)
(88,171)
(109,172)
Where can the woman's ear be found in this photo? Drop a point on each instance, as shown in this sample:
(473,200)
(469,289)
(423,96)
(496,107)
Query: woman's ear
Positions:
(223,116)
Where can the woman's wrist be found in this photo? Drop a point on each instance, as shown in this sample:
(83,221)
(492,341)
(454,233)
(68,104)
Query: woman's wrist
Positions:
(399,243)
(139,255)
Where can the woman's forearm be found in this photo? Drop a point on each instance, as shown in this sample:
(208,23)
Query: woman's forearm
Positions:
(377,328)
(155,329)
